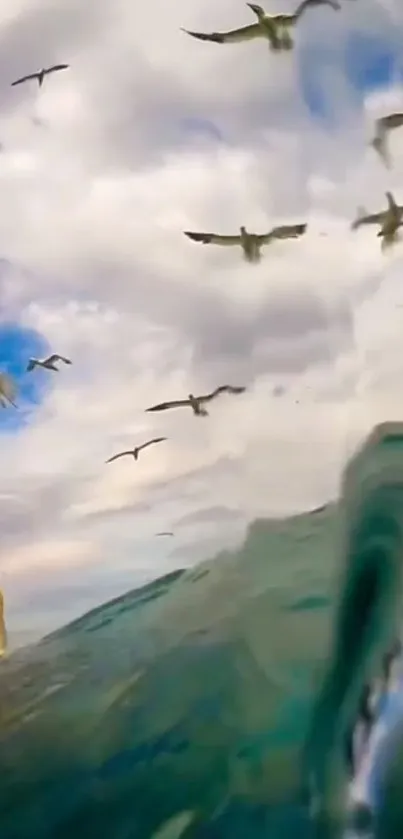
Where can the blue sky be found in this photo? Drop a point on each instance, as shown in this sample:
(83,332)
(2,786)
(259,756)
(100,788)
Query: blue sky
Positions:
(17,345)
(369,63)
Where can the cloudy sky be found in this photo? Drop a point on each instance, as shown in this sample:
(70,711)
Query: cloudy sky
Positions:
(150,133)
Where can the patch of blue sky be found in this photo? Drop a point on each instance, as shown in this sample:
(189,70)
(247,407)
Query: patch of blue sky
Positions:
(17,345)
(368,63)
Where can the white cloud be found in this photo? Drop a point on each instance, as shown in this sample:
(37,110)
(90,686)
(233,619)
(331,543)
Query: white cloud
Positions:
(101,171)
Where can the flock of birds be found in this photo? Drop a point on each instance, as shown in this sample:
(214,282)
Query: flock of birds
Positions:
(278,31)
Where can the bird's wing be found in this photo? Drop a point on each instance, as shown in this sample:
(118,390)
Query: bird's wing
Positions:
(218,390)
(286,231)
(120,454)
(246,33)
(31,364)
(309,4)
(370,218)
(164,406)
(213,238)
(24,79)
(56,67)
(56,357)
(391,201)
(165,533)
(390,121)
(151,442)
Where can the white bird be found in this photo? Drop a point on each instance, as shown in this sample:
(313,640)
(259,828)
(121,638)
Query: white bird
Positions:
(196,402)
(275,28)
(382,127)
(40,74)
(135,452)
(389,220)
(48,363)
(8,391)
(251,243)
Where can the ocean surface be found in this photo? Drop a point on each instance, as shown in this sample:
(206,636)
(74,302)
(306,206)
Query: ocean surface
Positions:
(213,702)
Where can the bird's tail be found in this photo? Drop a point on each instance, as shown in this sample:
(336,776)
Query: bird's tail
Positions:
(389,239)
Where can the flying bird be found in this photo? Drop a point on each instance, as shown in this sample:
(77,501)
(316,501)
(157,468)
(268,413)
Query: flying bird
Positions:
(40,74)
(274,28)
(196,402)
(135,452)
(8,391)
(48,363)
(389,220)
(251,243)
(382,127)
(165,533)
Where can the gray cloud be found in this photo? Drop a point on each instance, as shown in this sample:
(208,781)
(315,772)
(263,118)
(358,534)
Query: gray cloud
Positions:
(99,179)
(209,515)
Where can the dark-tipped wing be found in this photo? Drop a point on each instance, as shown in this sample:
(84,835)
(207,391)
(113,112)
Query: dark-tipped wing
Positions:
(120,454)
(25,79)
(213,238)
(56,357)
(222,389)
(234,36)
(286,231)
(390,121)
(56,67)
(367,218)
(164,406)
(391,201)
(310,4)
(151,442)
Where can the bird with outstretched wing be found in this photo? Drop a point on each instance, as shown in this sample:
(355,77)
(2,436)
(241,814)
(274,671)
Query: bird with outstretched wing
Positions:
(40,74)
(137,449)
(195,402)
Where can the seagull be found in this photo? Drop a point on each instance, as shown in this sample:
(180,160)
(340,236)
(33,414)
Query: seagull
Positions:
(135,452)
(48,363)
(251,243)
(272,27)
(382,126)
(40,75)
(8,391)
(196,402)
(165,533)
(389,221)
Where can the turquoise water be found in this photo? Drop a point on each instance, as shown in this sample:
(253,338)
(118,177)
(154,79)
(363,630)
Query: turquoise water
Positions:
(212,703)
